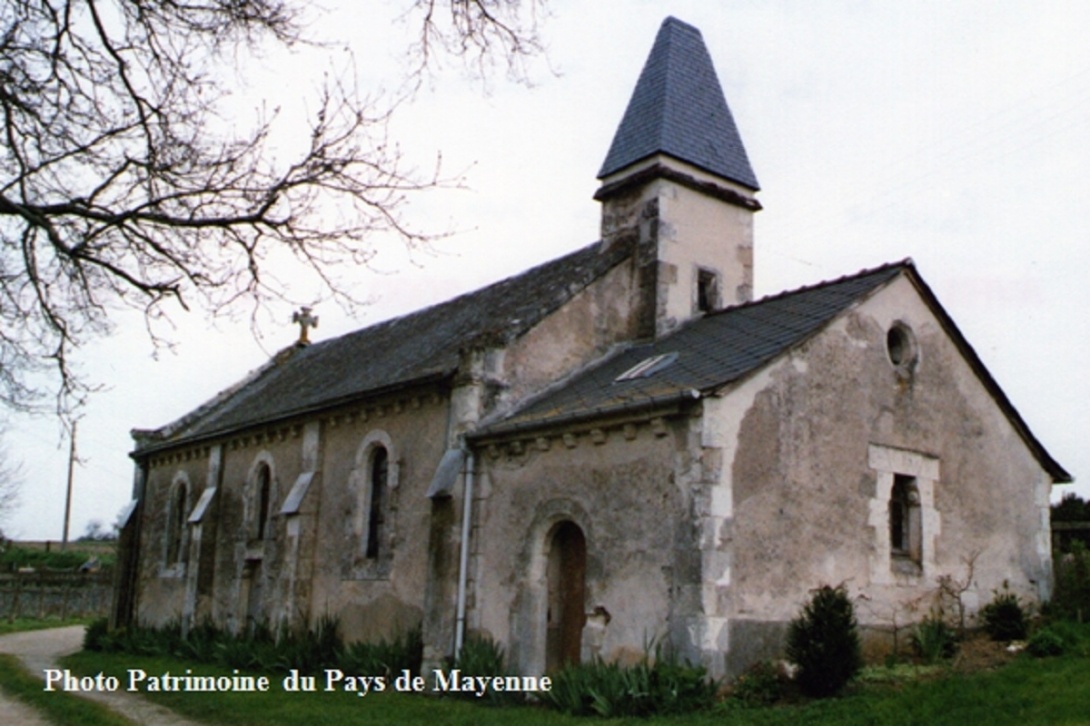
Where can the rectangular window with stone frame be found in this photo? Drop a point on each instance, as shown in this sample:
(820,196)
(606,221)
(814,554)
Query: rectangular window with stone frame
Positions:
(905,536)
(903,514)
(707,291)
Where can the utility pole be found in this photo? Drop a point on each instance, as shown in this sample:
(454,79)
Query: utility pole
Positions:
(68,500)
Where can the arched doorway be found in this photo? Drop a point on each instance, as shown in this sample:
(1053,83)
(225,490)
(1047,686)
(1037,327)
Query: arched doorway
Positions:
(566,573)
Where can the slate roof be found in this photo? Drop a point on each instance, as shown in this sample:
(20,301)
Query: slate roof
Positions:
(712,351)
(726,346)
(678,108)
(418,347)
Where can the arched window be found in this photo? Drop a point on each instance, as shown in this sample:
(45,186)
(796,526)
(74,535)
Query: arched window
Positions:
(176,516)
(259,499)
(263,496)
(376,516)
(372,488)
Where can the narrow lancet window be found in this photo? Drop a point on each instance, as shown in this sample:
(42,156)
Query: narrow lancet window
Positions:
(264,486)
(176,524)
(376,516)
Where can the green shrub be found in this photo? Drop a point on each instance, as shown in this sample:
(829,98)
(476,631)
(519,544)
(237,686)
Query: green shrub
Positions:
(1071,508)
(1046,642)
(1071,592)
(761,685)
(55,560)
(934,639)
(1004,618)
(678,687)
(97,635)
(824,642)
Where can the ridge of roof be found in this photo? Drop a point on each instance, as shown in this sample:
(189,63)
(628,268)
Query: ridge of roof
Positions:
(421,346)
(148,437)
(861,273)
(1051,466)
(710,357)
(678,108)
(713,350)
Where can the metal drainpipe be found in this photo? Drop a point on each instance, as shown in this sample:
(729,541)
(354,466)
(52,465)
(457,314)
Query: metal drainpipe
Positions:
(463,561)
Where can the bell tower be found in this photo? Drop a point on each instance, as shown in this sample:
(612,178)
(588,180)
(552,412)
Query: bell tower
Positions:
(677,185)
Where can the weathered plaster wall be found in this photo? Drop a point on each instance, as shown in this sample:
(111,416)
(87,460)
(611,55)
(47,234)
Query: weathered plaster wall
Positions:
(621,487)
(697,231)
(687,230)
(311,562)
(161,584)
(378,598)
(579,332)
(799,501)
(247,569)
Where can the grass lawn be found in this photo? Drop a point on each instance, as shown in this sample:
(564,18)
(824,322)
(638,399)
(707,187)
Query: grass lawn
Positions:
(1053,690)
(34,624)
(311,708)
(58,708)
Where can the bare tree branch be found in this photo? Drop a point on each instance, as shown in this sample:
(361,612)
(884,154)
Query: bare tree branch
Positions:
(484,34)
(116,190)
(11,481)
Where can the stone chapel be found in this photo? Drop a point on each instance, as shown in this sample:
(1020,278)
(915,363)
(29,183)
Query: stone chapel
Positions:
(615,446)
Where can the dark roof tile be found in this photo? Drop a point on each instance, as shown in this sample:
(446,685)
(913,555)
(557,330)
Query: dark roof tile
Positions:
(712,352)
(725,346)
(678,108)
(415,347)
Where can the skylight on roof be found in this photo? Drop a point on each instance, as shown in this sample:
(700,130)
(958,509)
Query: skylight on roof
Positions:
(648,366)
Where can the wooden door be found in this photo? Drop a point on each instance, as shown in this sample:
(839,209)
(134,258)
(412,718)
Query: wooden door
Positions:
(567,569)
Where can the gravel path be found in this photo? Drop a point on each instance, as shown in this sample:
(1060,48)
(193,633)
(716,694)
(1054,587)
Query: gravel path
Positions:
(39,650)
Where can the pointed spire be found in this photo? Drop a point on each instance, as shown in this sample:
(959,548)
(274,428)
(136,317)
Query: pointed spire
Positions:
(678,108)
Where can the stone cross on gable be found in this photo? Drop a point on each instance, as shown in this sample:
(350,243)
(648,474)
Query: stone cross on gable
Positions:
(305,321)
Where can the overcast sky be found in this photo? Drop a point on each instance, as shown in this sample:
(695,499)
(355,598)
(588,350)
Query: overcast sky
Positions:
(954,133)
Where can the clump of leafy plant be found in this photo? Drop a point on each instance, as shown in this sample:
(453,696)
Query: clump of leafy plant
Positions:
(309,649)
(312,649)
(1004,618)
(824,642)
(389,657)
(1071,593)
(482,656)
(762,685)
(934,639)
(655,685)
(97,635)
(1046,642)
